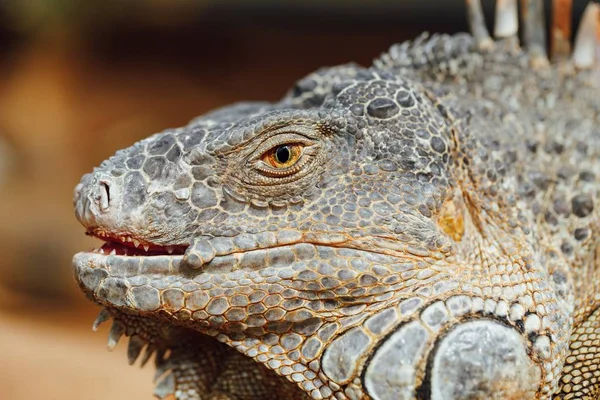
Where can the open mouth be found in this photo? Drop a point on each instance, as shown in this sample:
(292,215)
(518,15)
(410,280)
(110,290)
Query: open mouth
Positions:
(126,245)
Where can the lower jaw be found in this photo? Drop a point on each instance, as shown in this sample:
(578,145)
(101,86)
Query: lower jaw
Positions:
(125,262)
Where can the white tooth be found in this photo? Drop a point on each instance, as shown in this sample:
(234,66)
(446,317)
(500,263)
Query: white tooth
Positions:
(585,41)
(136,243)
(169,249)
(146,247)
(113,252)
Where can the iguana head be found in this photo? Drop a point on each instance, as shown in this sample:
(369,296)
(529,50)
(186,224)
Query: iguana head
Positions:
(263,189)
(328,203)
(276,227)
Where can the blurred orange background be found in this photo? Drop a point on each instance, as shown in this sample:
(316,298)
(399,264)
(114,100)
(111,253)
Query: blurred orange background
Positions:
(81,79)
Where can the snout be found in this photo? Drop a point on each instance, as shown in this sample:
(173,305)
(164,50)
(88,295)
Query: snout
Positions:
(95,199)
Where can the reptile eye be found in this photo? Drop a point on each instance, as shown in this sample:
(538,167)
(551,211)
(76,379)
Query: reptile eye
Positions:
(283,156)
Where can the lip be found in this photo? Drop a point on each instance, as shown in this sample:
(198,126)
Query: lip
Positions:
(124,266)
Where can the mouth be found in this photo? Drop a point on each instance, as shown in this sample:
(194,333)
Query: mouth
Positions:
(130,246)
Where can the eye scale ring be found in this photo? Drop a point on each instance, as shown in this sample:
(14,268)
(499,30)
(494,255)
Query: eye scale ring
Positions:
(283,157)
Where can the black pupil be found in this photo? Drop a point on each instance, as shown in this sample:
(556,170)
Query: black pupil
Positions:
(282,154)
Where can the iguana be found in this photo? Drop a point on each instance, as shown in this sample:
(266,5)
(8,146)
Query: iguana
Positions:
(427,227)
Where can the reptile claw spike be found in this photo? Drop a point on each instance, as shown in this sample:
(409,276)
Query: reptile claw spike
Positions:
(102,317)
(587,40)
(586,51)
(477,24)
(561,29)
(116,332)
(534,30)
(507,19)
(147,354)
(134,348)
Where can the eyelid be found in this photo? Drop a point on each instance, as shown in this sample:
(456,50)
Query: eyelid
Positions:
(278,140)
(308,152)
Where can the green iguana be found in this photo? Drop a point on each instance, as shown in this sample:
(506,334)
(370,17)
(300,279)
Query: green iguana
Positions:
(424,228)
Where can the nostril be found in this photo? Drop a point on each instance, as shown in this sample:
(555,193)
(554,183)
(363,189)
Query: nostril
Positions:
(104,196)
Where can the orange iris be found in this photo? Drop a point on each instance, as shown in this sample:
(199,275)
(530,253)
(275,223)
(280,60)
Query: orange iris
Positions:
(283,156)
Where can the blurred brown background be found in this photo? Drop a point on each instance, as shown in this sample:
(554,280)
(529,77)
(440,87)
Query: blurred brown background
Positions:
(80,79)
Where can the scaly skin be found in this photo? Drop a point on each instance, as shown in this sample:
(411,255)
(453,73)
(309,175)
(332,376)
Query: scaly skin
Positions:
(437,236)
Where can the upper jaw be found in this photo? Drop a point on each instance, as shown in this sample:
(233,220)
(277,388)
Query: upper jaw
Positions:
(127,244)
